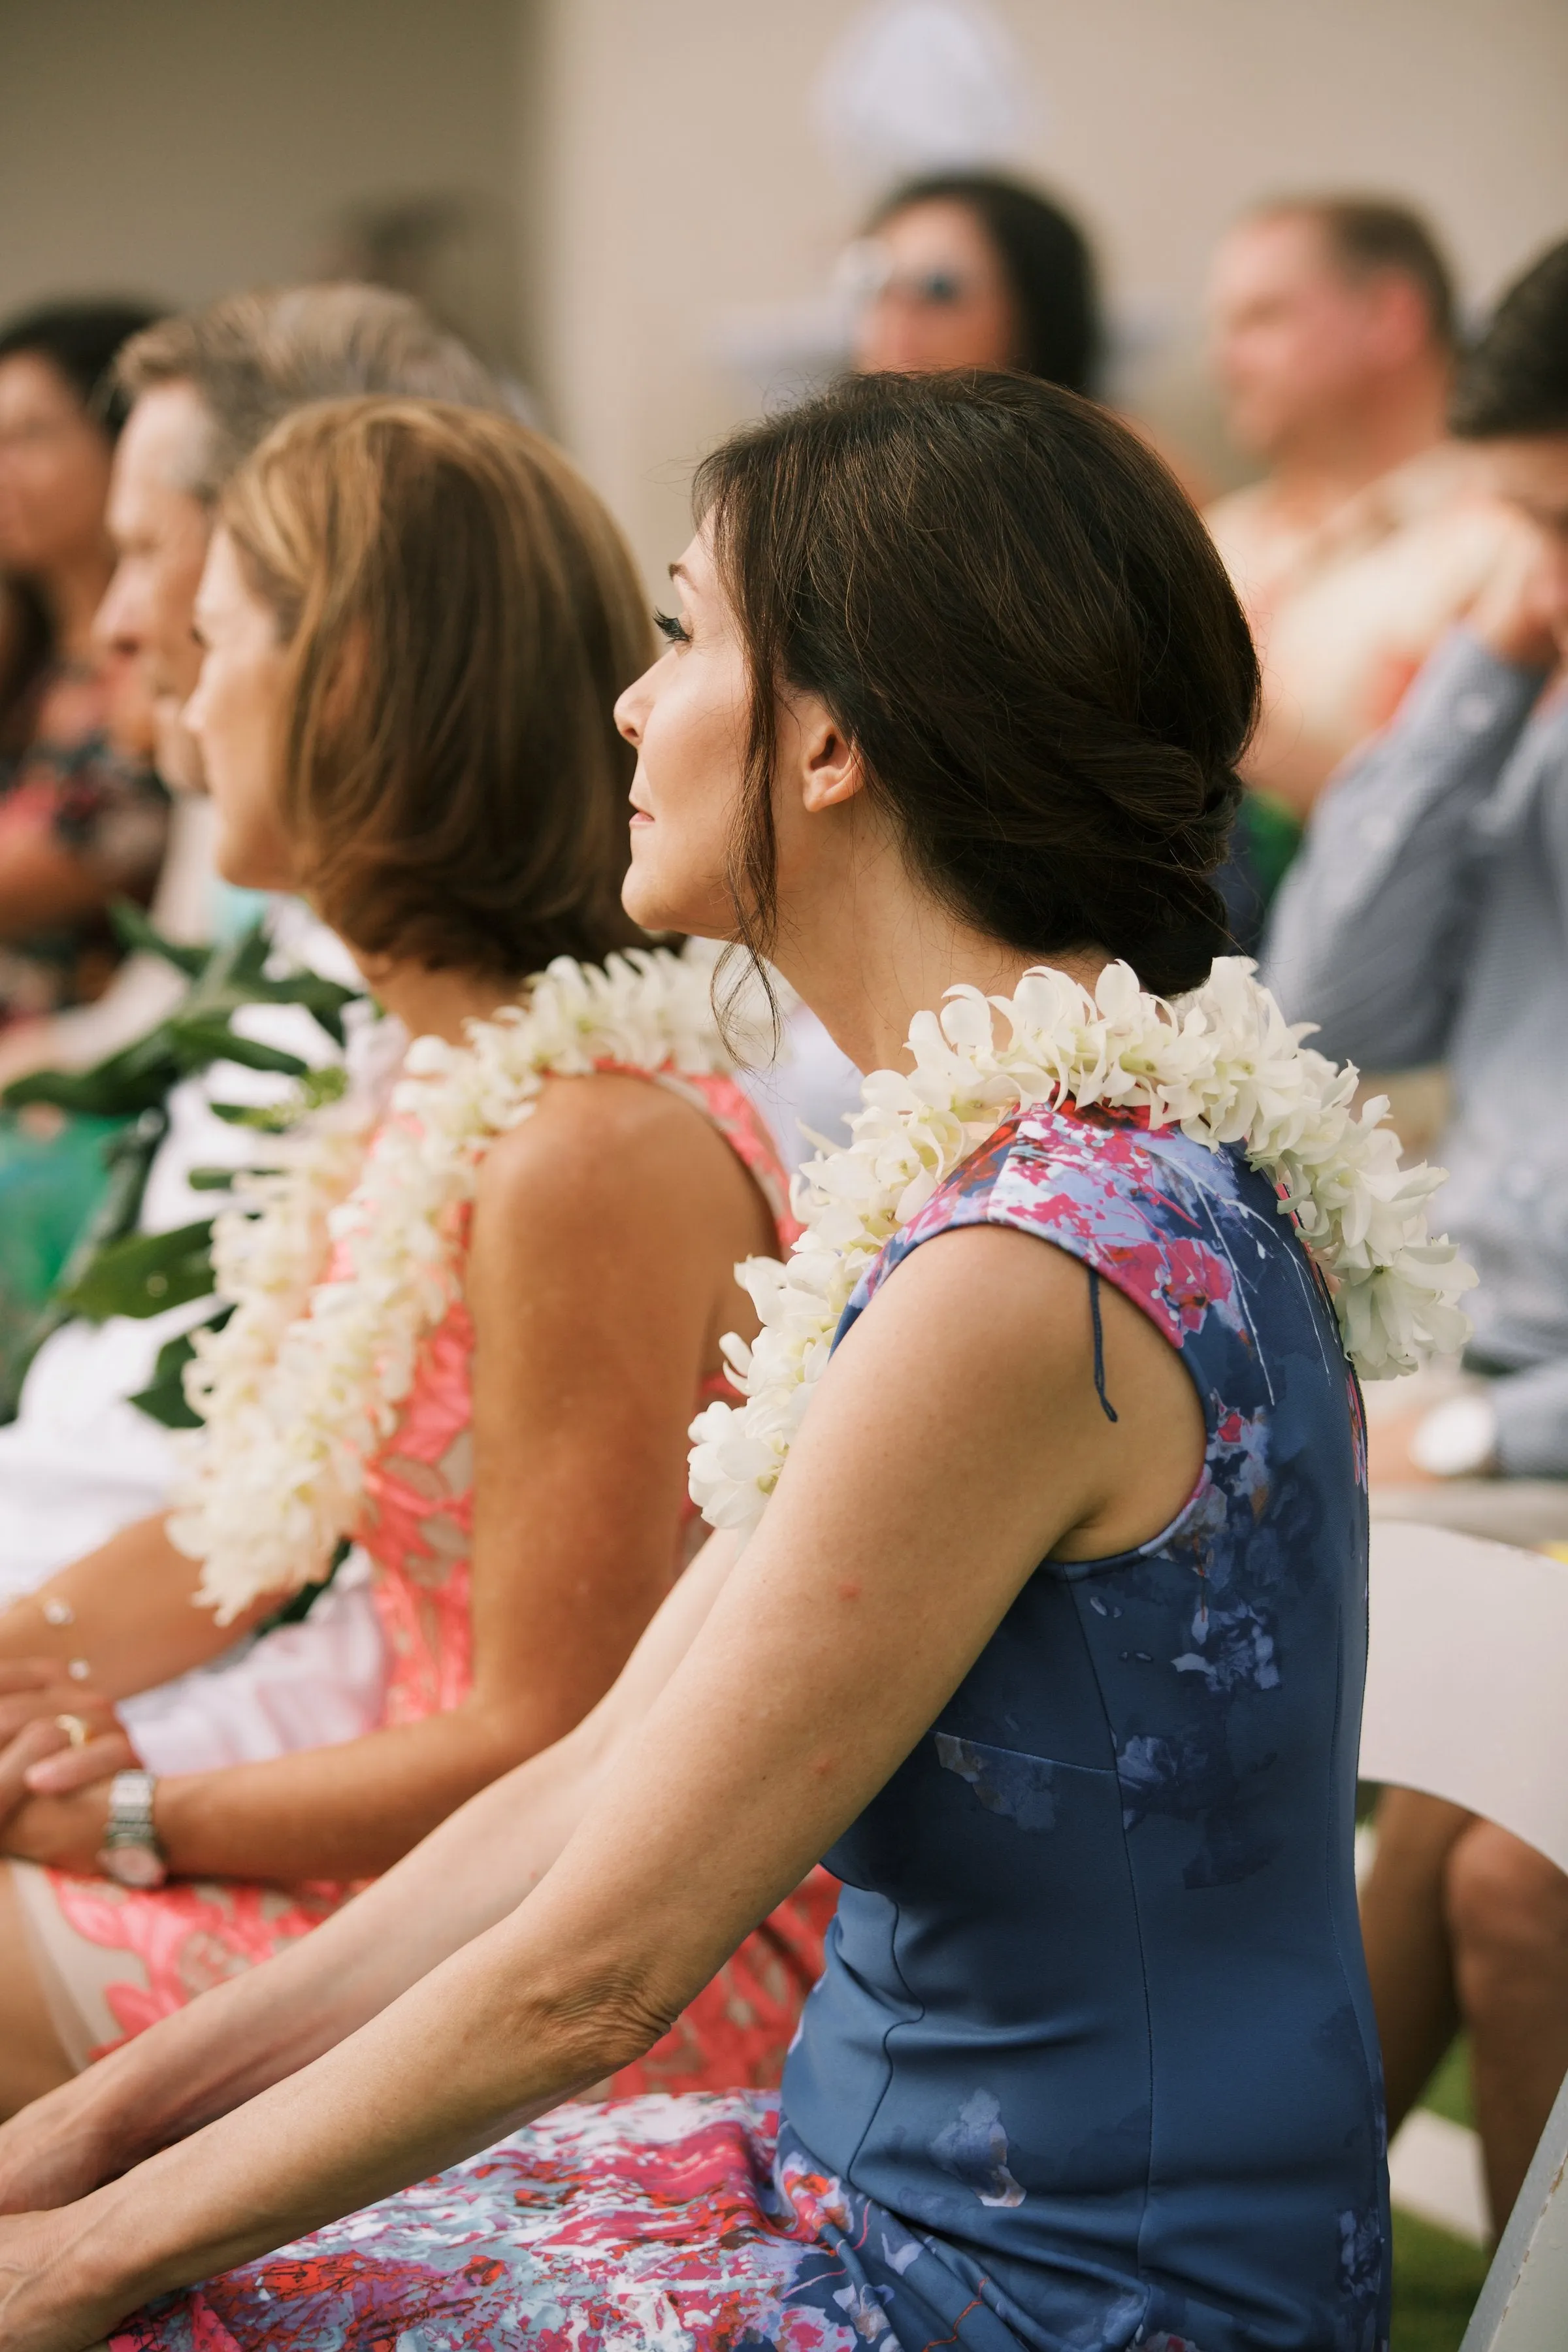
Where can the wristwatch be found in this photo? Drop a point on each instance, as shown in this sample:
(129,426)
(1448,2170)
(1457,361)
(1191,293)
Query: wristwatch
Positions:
(130,1852)
(1457,1440)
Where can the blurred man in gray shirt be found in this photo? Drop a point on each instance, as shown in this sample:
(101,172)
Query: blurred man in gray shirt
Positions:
(1425,920)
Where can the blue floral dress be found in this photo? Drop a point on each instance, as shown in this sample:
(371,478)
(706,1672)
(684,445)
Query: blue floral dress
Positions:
(1093,2062)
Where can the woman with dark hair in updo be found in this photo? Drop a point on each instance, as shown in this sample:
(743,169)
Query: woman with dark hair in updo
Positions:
(1048,1630)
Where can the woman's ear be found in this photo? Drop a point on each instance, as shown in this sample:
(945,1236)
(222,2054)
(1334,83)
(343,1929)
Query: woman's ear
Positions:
(826,765)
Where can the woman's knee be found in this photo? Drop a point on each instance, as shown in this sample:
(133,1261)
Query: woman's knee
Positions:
(1507,1906)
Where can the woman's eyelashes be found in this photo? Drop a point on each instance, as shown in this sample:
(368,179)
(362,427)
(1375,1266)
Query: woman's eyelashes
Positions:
(673,631)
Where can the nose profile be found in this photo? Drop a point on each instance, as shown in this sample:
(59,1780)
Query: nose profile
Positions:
(115,625)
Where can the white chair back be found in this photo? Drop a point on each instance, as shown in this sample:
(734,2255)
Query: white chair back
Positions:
(1467,1687)
(1523,2306)
(1467,1698)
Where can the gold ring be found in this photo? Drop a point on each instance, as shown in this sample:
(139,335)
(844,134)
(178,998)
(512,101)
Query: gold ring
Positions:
(75,1729)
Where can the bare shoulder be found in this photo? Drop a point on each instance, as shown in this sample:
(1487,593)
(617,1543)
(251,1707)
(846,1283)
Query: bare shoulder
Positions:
(993,1288)
(609,1146)
(1021,1301)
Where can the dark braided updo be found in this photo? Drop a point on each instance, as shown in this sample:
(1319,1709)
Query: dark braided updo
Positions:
(1016,615)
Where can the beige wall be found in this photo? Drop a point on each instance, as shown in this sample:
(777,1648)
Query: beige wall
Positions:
(179,148)
(677,176)
(663,165)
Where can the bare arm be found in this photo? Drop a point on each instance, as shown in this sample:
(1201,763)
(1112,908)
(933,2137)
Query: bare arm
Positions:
(604,1233)
(761,1747)
(244,2035)
(126,1609)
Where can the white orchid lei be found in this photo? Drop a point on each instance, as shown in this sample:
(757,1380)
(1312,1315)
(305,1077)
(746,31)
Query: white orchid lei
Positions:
(305,1380)
(1221,1064)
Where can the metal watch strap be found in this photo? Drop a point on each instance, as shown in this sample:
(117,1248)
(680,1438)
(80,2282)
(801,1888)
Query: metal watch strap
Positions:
(131,1852)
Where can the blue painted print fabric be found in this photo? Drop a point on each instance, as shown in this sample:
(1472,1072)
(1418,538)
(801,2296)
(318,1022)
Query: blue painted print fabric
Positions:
(1095,2020)
(1092,2064)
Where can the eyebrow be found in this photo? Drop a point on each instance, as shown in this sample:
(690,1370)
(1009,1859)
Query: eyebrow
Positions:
(680,571)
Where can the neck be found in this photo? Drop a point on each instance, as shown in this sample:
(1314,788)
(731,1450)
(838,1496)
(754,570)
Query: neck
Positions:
(434,1003)
(875,948)
(71,594)
(1341,455)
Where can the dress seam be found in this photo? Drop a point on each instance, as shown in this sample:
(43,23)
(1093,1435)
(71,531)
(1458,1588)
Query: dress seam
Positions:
(1143,1960)
(888,2033)
(1374,2080)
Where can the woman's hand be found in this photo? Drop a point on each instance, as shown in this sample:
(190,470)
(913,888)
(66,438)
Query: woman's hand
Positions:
(1389,1461)
(63,1832)
(261,2027)
(57,2148)
(58,1739)
(46,2305)
(1514,613)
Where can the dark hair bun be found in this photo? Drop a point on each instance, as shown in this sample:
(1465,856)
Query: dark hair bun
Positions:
(1016,615)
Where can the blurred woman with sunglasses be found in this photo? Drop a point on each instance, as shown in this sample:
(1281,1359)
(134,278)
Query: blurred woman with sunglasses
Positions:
(969,269)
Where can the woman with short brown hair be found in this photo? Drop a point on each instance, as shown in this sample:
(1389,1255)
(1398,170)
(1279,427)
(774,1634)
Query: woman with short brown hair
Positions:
(469,1340)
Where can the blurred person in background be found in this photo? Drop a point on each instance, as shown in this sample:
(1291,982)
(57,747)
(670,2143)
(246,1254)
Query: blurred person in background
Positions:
(1333,336)
(956,269)
(969,269)
(82,816)
(455,255)
(80,1461)
(1423,920)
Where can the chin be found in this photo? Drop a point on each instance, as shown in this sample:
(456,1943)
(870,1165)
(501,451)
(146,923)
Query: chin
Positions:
(655,911)
(650,899)
(238,862)
(176,757)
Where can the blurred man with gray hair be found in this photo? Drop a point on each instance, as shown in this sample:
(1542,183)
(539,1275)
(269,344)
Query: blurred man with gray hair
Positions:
(1333,335)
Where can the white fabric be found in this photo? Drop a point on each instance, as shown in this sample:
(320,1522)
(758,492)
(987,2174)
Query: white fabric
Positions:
(811,1086)
(305,1685)
(79,1462)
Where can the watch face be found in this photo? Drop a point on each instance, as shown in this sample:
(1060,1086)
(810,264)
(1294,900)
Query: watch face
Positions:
(132,1865)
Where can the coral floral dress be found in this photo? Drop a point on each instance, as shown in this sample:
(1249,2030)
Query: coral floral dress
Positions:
(114,1960)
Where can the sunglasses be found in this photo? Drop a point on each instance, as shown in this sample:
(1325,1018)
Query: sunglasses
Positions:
(867,272)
